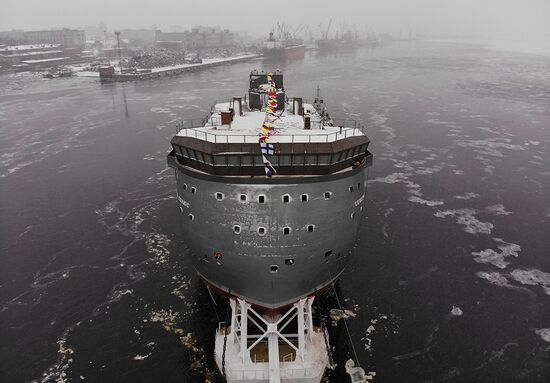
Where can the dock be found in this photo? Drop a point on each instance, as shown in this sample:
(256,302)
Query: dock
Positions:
(112,76)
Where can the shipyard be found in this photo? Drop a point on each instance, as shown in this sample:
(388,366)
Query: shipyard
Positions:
(289,192)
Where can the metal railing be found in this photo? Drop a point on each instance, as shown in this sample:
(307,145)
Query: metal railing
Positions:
(308,370)
(347,128)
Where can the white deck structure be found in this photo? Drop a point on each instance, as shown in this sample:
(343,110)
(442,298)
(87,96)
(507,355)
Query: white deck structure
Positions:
(289,128)
(246,359)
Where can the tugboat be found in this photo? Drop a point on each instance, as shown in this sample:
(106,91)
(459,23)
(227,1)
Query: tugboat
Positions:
(271,191)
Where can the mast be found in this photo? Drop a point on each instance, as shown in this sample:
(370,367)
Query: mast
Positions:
(117,33)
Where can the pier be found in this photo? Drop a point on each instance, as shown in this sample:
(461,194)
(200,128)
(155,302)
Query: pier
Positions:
(112,76)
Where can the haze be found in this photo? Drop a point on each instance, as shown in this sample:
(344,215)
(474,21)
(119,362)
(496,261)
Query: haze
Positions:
(527,20)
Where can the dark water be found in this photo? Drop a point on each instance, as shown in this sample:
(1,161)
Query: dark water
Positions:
(451,282)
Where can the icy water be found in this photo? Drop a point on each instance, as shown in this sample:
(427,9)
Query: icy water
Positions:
(451,282)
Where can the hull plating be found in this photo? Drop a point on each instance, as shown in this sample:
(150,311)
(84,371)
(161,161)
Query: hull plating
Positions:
(274,252)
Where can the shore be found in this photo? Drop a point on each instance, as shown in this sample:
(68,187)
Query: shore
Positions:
(170,70)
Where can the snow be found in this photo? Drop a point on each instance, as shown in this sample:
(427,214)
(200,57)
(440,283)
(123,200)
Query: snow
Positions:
(204,62)
(87,74)
(45,60)
(245,129)
(26,47)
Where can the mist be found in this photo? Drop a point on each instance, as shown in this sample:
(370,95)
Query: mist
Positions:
(523,20)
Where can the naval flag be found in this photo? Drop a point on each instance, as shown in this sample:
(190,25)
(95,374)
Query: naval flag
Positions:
(269,169)
(267,148)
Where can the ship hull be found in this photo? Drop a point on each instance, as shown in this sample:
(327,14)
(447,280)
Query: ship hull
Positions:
(289,53)
(274,269)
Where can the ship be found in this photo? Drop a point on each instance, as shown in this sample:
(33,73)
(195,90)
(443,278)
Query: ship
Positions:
(285,46)
(345,39)
(271,194)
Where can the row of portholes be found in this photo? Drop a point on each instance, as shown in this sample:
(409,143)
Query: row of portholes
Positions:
(262,198)
(274,268)
(262,231)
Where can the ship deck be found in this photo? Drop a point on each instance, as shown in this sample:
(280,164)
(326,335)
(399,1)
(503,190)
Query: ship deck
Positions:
(289,128)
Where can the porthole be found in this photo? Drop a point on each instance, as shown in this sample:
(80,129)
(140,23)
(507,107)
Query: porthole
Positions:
(328,253)
(286,198)
(184,186)
(289,261)
(261,230)
(191,217)
(351,189)
(193,190)
(286,230)
(310,228)
(328,195)
(237,229)
(353,215)
(273,269)
(242,198)
(261,198)
(304,197)
(219,196)
(181,209)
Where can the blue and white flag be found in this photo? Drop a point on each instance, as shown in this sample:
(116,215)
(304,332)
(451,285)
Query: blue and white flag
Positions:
(266,148)
(269,169)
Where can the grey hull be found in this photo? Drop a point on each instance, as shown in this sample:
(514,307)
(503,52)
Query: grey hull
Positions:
(278,267)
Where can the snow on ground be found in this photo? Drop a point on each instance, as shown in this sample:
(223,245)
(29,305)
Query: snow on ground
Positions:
(204,62)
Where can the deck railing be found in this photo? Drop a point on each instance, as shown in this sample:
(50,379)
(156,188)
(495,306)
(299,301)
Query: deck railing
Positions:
(347,128)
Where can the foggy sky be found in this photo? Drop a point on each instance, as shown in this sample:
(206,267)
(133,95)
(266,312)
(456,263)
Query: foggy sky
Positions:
(514,19)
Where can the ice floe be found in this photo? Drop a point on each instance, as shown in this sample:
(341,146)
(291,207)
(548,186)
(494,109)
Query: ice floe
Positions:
(160,110)
(392,178)
(422,201)
(495,278)
(456,311)
(498,209)
(141,357)
(466,217)
(467,196)
(495,258)
(544,334)
(489,146)
(532,277)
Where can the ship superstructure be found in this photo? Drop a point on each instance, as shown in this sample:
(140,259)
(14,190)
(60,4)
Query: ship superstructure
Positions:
(284,44)
(271,191)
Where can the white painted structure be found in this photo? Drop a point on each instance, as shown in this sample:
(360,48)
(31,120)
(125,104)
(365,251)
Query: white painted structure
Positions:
(305,363)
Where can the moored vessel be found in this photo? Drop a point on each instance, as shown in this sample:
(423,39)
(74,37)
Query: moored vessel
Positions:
(286,47)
